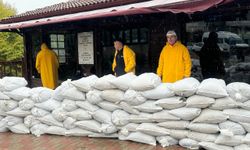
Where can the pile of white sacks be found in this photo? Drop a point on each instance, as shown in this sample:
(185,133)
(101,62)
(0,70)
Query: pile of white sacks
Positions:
(209,114)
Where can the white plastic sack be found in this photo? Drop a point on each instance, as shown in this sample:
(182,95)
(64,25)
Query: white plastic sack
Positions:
(85,83)
(215,88)
(223,103)
(166,141)
(161,91)
(141,118)
(69,123)
(26,104)
(189,143)
(211,116)
(178,134)
(239,91)
(12,120)
(19,129)
(171,102)
(94,96)
(90,125)
(77,132)
(55,130)
(242,147)
(37,112)
(79,114)
(41,94)
(108,106)
(59,114)
(18,112)
(3,96)
(197,101)
(204,127)
(229,140)
(185,87)
(12,83)
(87,106)
(49,120)
(186,113)
(114,96)
(30,121)
(73,94)
(238,115)
(213,146)
(49,105)
(8,105)
(119,118)
(145,81)
(234,127)
(178,125)
(103,116)
(141,138)
(133,97)
(38,129)
(19,94)
(69,105)
(104,83)
(108,128)
(202,137)
(163,116)
(152,129)
(126,107)
(122,82)
(149,107)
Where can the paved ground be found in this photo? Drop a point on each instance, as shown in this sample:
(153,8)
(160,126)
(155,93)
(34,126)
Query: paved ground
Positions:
(10,141)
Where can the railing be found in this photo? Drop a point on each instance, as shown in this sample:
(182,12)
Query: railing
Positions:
(11,68)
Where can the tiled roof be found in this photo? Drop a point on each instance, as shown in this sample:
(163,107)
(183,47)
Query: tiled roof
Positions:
(72,6)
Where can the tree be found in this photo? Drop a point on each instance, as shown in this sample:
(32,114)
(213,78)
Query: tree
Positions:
(11,44)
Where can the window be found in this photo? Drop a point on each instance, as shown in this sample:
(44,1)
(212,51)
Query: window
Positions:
(57,43)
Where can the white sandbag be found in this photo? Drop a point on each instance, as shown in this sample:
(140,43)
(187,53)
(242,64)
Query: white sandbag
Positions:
(246,126)
(90,125)
(69,123)
(30,121)
(131,127)
(18,112)
(8,105)
(87,106)
(152,129)
(108,106)
(166,141)
(213,146)
(19,94)
(108,128)
(141,138)
(211,116)
(141,118)
(145,81)
(19,129)
(41,94)
(85,83)
(59,114)
(246,139)
(202,137)
(178,125)
(204,127)
(104,83)
(238,115)
(114,96)
(242,147)
(186,113)
(12,83)
(239,91)
(49,120)
(77,132)
(102,116)
(60,90)
(26,104)
(55,130)
(119,117)
(73,94)
(122,82)
(102,135)
(12,120)
(229,140)
(161,91)
(178,134)
(37,112)
(171,102)
(126,107)
(38,129)
(189,143)
(149,106)
(234,127)
(226,132)
(3,129)
(3,96)
(79,114)
(185,87)
(245,105)
(69,105)
(162,116)
(49,105)
(94,96)
(223,103)
(197,101)
(133,97)
(215,88)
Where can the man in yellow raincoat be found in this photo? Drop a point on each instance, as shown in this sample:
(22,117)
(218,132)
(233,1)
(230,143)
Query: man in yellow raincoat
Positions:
(174,62)
(124,59)
(47,65)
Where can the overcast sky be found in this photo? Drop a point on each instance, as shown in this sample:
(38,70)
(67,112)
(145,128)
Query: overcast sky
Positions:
(27,5)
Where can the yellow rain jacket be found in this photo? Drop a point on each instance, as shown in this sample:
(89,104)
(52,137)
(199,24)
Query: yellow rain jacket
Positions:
(129,60)
(174,63)
(47,65)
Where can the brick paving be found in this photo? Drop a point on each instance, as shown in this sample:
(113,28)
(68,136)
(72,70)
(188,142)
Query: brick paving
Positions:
(10,141)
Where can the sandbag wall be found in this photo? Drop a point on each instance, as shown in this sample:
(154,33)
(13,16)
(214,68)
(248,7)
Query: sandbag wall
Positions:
(209,114)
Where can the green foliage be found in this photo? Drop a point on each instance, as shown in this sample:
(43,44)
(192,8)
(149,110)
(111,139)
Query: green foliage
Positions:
(11,44)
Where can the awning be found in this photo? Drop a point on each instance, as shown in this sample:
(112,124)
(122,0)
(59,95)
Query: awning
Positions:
(153,6)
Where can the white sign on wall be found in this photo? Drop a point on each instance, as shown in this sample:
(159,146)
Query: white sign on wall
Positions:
(86,48)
